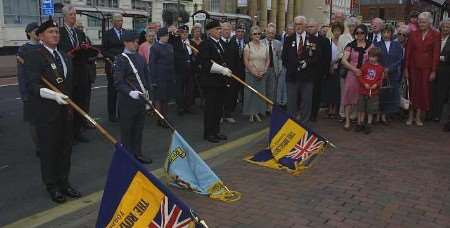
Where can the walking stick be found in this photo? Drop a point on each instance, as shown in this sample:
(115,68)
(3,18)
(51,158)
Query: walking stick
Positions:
(267,100)
(77,108)
(150,103)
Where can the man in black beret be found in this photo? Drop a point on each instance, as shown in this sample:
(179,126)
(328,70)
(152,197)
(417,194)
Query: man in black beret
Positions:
(131,78)
(52,116)
(213,70)
(184,75)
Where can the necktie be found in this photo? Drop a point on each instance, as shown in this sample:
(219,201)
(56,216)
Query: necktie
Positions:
(300,46)
(75,37)
(59,65)
(120,34)
(220,47)
(270,54)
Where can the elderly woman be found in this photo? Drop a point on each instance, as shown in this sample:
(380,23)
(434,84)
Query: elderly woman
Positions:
(422,59)
(256,60)
(144,48)
(162,72)
(332,92)
(355,55)
(392,57)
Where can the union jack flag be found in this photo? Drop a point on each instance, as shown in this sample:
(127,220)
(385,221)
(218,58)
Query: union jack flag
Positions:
(305,147)
(173,218)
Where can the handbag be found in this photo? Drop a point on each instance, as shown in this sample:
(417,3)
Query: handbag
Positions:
(341,70)
(405,103)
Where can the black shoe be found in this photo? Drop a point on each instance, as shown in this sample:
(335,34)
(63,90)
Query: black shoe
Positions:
(113,119)
(82,139)
(212,139)
(221,137)
(71,192)
(57,196)
(367,129)
(359,128)
(446,127)
(144,159)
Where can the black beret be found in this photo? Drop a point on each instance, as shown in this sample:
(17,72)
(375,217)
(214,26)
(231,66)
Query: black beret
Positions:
(130,35)
(32,26)
(183,27)
(212,24)
(164,31)
(44,26)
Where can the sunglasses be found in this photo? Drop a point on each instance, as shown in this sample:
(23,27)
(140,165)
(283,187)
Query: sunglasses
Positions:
(360,33)
(401,34)
(257,34)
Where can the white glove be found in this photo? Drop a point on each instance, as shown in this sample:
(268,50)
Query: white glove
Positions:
(303,64)
(52,95)
(218,69)
(442,58)
(135,94)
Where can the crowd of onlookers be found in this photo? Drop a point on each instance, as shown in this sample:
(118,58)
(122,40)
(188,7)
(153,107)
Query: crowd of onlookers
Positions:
(380,71)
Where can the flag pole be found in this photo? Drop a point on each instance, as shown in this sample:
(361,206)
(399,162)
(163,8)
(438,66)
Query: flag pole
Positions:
(77,108)
(150,103)
(267,100)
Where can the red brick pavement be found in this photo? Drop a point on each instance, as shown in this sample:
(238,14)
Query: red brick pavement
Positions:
(397,176)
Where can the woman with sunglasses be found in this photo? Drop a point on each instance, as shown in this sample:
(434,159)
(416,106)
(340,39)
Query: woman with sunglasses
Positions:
(355,55)
(256,59)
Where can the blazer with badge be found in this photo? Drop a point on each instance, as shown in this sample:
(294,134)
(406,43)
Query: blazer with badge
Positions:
(391,59)
(111,47)
(45,110)
(209,50)
(277,48)
(124,76)
(312,54)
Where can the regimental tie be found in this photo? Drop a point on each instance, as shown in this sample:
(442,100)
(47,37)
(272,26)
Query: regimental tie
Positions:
(270,54)
(73,37)
(59,64)
(300,46)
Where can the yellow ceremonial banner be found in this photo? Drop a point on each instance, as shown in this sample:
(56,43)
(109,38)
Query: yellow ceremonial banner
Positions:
(286,138)
(139,205)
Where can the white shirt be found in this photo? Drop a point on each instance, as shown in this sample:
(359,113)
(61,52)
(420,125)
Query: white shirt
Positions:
(388,45)
(377,37)
(186,42)
(303,35)
(217,41)
(60,56)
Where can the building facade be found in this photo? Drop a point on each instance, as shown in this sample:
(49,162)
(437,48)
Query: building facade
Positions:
(93,14)
(389,10)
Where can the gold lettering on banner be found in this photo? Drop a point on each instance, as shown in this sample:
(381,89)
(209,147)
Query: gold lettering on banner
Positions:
(176,153)
(286,138)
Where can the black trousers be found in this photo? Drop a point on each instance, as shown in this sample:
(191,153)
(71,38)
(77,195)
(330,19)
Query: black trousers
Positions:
(317,98)
(441,91)
(55,147)
(112,92)
(131,127)
(184,89)
(213,111)
(231,96)
(81,96)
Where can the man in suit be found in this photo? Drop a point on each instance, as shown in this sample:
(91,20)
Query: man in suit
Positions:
(131,86)
(213,80)
(240,40)
(377,26)
(301,56)
(71,38)
(183,70)
(231,57)
(52,117)
(325,62)
(112,45)
(275,66)
(443,73)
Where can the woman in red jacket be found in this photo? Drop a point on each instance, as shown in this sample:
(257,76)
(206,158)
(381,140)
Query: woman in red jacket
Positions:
(422,58)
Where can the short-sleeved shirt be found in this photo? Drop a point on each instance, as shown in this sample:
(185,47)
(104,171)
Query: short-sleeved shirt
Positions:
(371,74)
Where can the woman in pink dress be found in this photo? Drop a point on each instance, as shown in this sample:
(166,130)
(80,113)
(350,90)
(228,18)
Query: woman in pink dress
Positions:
(355,55)
(422,58)
(144,48)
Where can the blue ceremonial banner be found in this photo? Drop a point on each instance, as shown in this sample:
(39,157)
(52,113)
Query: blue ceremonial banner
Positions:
(291,145)
(188,171)
(133,197)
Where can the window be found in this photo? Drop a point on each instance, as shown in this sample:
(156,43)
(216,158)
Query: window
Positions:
(215,5)
(140,5)
(103,3)
(20,12)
